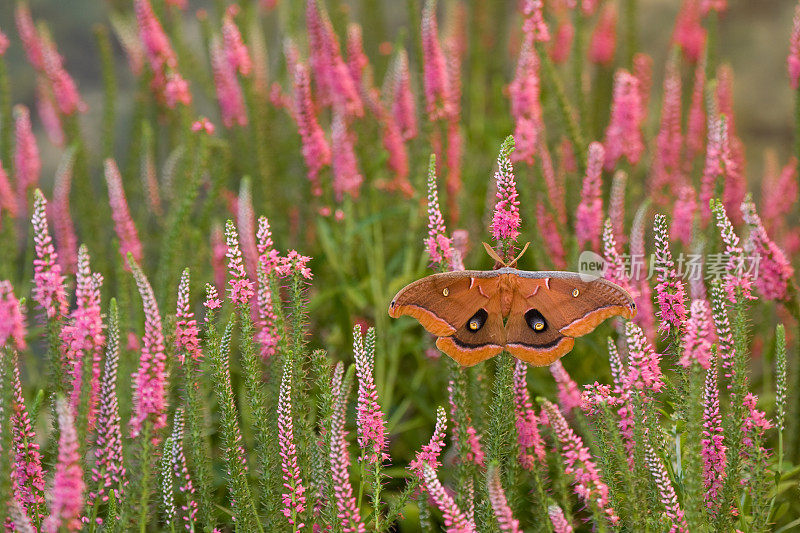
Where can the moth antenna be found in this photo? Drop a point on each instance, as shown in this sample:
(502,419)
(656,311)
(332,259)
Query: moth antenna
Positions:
(494,255)
(514,262)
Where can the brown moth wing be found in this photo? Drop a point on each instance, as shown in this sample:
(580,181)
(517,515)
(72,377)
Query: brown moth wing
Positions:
(470,347)
(444,302)
(538,348)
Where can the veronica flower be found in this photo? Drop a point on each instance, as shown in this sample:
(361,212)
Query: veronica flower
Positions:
(156,43)
(150,379)
(7,199)
(669,142)
(346,177)
(49,291)
(63,227)
(755,424)
(129,242)
(429,455)
(683,215)
(569,397)
(455,520)
(246,225)
(689,33)
(369,416)
(506,219)
(218,259)
(589,215)
(526,108)
(738,281)
(473,452)
(48,113)
(267,335)
(699,336)
(229,91)
(644,371)
(27,476)
(560,524)
(774,269)
(316,151)
(66,495)
(294,263)
(497,497)
(27,165)
(12,321)
(294,500)
(176,90)
(604,37)
(404,107)
(713,447)
(82,336)
(180,470)
(527,423)
(614,264)
(241,288)
(436,81)
(578,462)
(624,131)
(561,46)
(4,43)
(666,491)
(779,191)
(551,236)
(187,342)
(670,291)
(793,59)
(438,245)
(340,460)
(533,23)
(61,83)
(717,162)
(235,49)
(29,35)
(356,58)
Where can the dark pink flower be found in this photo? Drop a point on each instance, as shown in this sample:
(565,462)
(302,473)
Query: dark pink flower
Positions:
(61,83)
(66,495)
(561,46)
(569,397)
(533,23)
(683,215)
(624,132)
(235,49)
(203,124)
(713,447)
(294,500)
(63,228)
(696,122)
(526,108)
(4,43)
(666,491)
(27,165)
(738,279)
(229,92)
(7,198)
(429,455)
(29,35)
(775,272)
(670,290)
(129,242)
(560,524)
(528,436)
(644,370)
(316,151)
(669,142)
(438,245)
(689,33)
(346,177)
(12,320)
(589,215)
(241,288)
(369,415)
(454,518)
(506,219)
(699,336)
(49,291)
(187,341)
(436,80)
(404,107)
(48,113)
(603,43)
(497,496)
(551,236)
(356,58)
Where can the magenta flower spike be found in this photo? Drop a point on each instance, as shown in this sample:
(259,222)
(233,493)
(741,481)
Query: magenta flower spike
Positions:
(357,60)
(699,336)
(689,33)
(340,460)
(429,455)
(212,301)
(526,107)
(738,280)
(4,43)
(578,462)
(472,449)
(267,335)
(560,524)
(369,415)
(644,370)
(316,151)
(589,214)
(346,177)
(670,290)
(48,113)
(624,132)
(27,165)
(666,491)
(713,447)
(404,106)
(569,395)
(124,226)
(497,496)
(12,320)
(8,201)
(229,92)
(29,35)
(235,50)
(683,215)
(667,171)
(755,424)
(63,228)
(294,499)
(187,333)
(603,43)
(61,83)
(150,379)
(505,219)
(455,521)
(436,79)
(528,436)
(66,495)
(49,291)
(82,336)
(533,24)
(438,245)
(615,266)
(717,163)
(793,59)
(775,272)
(241,288)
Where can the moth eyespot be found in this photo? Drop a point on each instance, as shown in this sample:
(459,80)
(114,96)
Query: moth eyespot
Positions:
(633,305)
(392,304)
(477,320)
(535,320)
(445,291)
(575,292)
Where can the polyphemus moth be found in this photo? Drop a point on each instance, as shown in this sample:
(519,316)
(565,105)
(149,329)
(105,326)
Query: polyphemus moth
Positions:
(535,316)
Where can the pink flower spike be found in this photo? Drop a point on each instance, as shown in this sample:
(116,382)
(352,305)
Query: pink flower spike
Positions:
(180,470)
(738,280)
(569,396)
(578,462)
(436,80)
(669,142)
(61,83)
(12,320)
(316,151)
(528,436)
(29,35)
(497,496)
(212,301)
(429,455)
(340,459)
(229,92)
(533,23)
(66,495)
(713,447)
(203,124)
(666,491)
(294,499)
(156,43)
(129,242)
(707,6)
(235,49)
(63,227)
(670,290)
(246,226)
(455,520)
(241,288)
(8,201)
(696,122)
(689,33)
(404,107)
(793,59)
(27,165)
(369,416)
(526,107)
(49,291)
(356,58)
(699,336)
(589,215)
(644,370)
(346,177)
(4,43)
(48,113)
(775,272)
(438,245)
(683,215)
(150,379)
(187,342)
(624,132)
(506,219)
(561,47)
(604,37)
(560,524)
